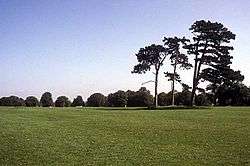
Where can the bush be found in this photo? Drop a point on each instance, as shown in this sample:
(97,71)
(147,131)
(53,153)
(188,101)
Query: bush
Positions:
(62,101)
(31,101)
(97,100)
(183,98)
(12,101)
(141,98)
(46,100)
(117,99)
(78,101)
(202,100)
(165,99)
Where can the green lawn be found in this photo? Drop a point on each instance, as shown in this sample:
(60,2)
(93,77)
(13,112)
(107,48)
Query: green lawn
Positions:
(87,136)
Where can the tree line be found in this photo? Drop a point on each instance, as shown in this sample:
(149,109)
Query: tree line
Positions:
(140,98)
(236,95)
(210,47)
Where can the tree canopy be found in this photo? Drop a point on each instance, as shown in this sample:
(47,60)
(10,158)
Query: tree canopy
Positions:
(97,100)
(62,101)
(118,99)
(46,100)
(78,101)
(31,101)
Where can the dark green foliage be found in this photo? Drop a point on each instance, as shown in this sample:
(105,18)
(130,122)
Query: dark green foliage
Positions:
(62,101)
(78,101)
(173,76)
(165,99)
(220,78)
(151,56)
(12,101)
(97,100)
(173,46)
(141,98)
(31,101)
(211,48)
(117,99)
(236,94)
(46,100)
(183,98)
(202,100)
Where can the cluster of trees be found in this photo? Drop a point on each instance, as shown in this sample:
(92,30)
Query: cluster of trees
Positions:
(140,98)
(235,95)
(210,47)
(45,101)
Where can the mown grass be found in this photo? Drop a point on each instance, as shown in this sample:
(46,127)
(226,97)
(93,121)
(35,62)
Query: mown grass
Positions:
(88,136)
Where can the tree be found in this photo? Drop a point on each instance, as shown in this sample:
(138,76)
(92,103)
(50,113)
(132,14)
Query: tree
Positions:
(210,44)
(46,100)
(117,99)
(147,57)
(183,98)
(62,101)
(97,100)
(141,98)
(12,101)
(78,101)
(219,77)
(202,99)
(31,101)
(235,94)
(173,46)
(165,99)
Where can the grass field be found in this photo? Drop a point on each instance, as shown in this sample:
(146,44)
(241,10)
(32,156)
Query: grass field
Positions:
(88,136)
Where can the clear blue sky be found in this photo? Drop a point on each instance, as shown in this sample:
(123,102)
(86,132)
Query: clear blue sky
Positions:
(79,47)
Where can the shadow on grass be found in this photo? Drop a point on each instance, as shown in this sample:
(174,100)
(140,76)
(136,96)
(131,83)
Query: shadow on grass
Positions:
(151,108)
(118,108)
(179,107)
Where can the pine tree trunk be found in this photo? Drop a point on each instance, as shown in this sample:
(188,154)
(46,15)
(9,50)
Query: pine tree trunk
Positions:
(215,96)
(173,86)
(173,94)
(156,88)
(192,100)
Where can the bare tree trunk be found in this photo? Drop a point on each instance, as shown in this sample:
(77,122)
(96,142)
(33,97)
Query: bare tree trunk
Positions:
(215,95)
(173,93)
(192,101)
(156,88)
(197,73)
(173,81)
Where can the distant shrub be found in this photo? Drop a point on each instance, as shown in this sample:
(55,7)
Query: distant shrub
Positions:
(31,101)
(78,101)
(62,101)
(97,100)
(165,99)
(117,99)
(202,100)
(46,100)
(12,101)
(183,98)
(141,98)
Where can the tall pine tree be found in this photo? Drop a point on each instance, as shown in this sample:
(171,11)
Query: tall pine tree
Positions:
(210,47)
(173,46)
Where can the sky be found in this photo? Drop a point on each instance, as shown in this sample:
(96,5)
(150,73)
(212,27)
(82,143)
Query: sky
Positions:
(80,47)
